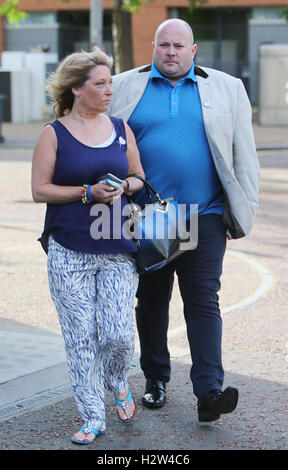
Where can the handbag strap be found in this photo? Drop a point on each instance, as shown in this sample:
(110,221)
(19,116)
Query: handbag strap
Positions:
(149,188)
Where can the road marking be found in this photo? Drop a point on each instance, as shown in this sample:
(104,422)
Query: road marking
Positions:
(47,397)
(267,283)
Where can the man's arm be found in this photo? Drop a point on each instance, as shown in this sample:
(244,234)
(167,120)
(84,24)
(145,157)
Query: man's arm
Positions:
(245,160)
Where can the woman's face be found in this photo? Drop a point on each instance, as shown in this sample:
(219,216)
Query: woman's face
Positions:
(96,93)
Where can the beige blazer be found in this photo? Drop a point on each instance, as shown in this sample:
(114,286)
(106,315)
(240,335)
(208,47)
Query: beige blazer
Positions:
(227,119)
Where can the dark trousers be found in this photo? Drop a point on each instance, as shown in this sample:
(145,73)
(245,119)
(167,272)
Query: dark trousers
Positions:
(198,274)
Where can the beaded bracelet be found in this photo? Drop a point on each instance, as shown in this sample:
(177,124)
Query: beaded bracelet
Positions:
(86,194)
(89,192)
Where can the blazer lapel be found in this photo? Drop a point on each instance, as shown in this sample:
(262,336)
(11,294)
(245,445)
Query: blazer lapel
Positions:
(208,112)
(135,92)
(206,103)
(210,124)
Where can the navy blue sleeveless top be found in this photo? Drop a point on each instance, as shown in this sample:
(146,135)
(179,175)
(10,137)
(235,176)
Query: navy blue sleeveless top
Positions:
(88,228)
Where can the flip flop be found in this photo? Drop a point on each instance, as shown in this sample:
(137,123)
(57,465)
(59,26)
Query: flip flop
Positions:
(85,430)
(123,404)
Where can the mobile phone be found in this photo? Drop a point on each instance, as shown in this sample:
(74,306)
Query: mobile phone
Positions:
(112,180)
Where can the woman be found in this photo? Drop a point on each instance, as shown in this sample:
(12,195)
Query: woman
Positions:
(92,278)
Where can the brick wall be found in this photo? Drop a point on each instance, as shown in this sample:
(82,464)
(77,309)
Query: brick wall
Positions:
(144,23)
(53,5)
(147,19)
(225,3)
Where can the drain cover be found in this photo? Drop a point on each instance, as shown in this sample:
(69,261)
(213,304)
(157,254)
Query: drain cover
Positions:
(27,404)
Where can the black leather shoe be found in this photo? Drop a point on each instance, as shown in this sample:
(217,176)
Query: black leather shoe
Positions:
(155,394)
(215,403)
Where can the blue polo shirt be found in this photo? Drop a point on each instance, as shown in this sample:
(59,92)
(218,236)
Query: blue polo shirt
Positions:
(169,130)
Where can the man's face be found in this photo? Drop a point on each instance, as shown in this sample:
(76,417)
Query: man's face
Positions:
(173,51)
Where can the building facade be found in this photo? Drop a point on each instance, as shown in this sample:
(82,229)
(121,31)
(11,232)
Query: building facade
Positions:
(228,32)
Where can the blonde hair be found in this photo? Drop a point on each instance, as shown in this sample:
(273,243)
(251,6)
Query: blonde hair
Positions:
(73,71)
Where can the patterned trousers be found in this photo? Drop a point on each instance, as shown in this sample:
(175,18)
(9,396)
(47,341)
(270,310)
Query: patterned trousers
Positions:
(94,298)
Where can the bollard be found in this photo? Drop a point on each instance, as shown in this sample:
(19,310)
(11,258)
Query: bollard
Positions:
(2,98)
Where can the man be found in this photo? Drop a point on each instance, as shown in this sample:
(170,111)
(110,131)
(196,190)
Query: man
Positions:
(193,129)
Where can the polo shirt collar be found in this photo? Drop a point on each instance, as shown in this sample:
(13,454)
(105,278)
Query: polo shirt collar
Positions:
(156,74)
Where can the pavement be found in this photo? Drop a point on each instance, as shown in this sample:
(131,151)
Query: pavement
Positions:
(37,409)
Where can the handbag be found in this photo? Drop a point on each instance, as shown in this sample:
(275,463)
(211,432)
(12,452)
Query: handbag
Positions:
(159,230)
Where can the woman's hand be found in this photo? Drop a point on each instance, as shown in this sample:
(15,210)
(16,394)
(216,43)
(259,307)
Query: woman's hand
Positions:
(103,192)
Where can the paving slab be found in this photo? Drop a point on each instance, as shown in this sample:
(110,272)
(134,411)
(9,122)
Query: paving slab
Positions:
(37,409)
